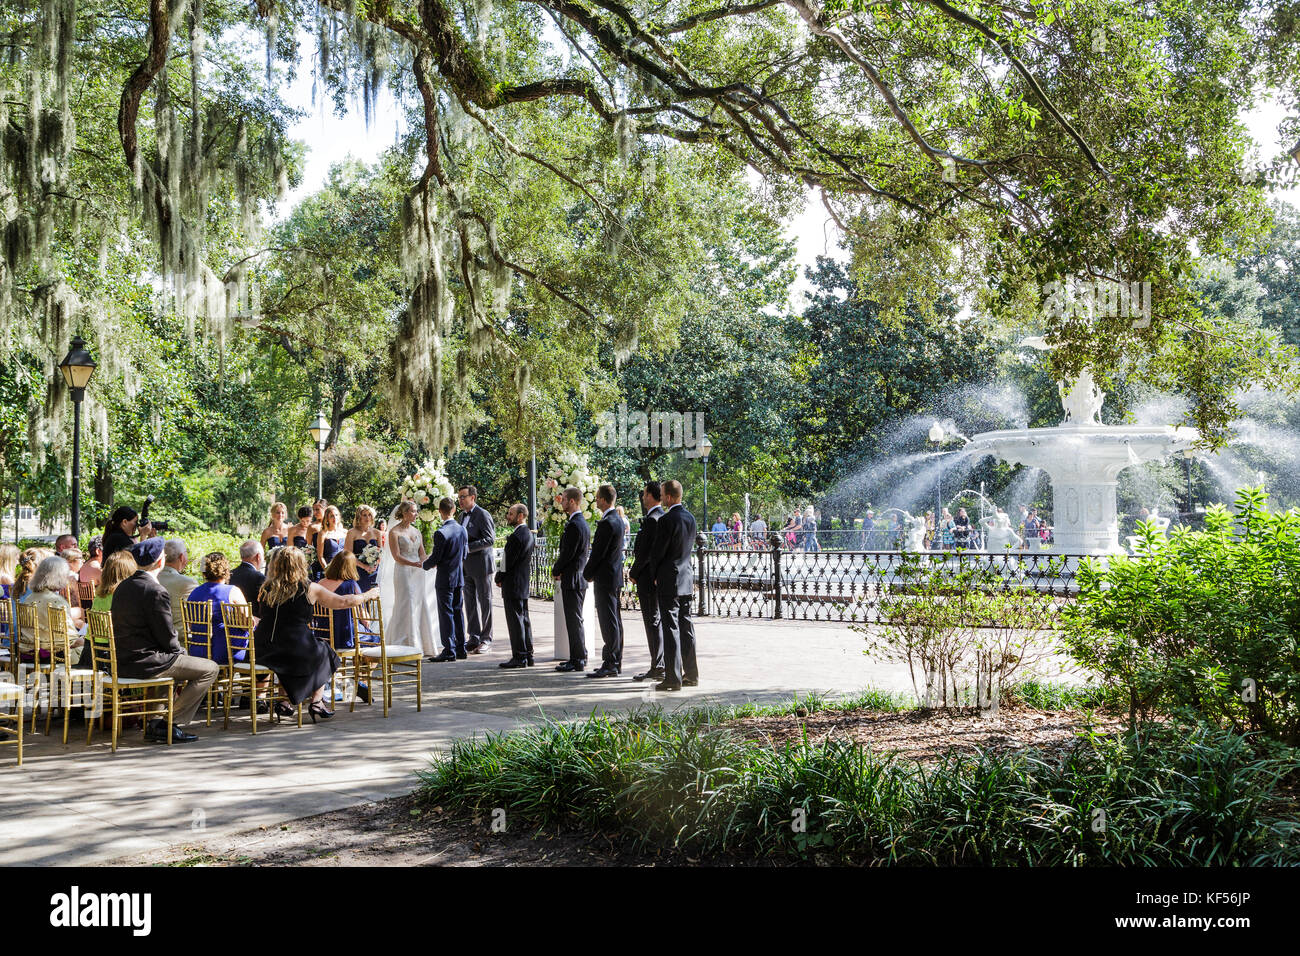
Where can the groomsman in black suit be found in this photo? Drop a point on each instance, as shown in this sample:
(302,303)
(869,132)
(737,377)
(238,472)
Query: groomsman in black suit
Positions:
(643,574)
(449,547)
(567,571)
(479,564)
(605,571)
(513,581)
(675,584)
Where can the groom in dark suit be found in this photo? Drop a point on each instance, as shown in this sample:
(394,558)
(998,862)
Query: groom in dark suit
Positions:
(479,565)
(449,548)
(571,587)
(675,584)
(516,564)
(605,571)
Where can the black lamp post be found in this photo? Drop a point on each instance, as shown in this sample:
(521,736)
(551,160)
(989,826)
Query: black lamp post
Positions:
(705,446)
(533,523)
(320,433)
(1188,456)
(77,368)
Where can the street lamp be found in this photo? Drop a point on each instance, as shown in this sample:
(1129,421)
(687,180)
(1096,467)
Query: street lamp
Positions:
(705,447)
(77,367)
(320,433)
(936,435)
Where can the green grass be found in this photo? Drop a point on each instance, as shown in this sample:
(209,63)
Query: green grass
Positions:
(1053,695)
(1180,797)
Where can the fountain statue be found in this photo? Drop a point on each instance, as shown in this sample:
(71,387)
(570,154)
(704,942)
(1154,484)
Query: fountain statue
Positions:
(998,533)
(914,537)
(1153,518)
(1083,458)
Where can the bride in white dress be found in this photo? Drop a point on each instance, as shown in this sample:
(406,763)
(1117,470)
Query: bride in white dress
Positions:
(405,588)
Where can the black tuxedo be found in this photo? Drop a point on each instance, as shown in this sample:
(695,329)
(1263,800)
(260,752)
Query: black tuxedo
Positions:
(575,541)
(674,538)
(478,573)
(605,570)
(517,562)
(647,596)
(249,580)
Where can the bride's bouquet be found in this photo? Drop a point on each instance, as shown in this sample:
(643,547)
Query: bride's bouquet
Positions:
(429,484)
(570,468)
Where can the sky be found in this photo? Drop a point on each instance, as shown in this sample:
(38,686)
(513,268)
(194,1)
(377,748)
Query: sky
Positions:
(333,138)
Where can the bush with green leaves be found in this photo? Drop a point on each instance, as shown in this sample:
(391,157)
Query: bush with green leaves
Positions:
(1205,622)
(1177,796)
(967,626)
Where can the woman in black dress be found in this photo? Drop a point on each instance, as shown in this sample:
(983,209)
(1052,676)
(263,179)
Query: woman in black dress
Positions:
(283,638)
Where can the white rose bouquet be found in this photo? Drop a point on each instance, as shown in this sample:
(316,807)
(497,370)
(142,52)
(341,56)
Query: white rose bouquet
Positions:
(570,468)
(371,554)
(429,484)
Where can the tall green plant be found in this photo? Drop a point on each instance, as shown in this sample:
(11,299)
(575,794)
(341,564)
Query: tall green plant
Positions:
(1204,621)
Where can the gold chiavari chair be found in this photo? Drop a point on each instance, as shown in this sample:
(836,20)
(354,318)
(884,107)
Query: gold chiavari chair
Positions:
(12,694)
(322,625)
(8,639)
(30,675)
(398,664)
(65,681)
(86,594)
(157,694)
(196,617)
(247,675)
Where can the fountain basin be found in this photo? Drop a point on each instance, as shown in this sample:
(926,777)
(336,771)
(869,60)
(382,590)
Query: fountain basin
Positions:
(1083,462)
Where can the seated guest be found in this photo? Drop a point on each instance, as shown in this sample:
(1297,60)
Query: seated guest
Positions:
(248,576)
(64,542)
(116,570)
(47,588)
(284,639)
(9,555)
(216,589)
(27,564)
(73,594)
(344,577)
(147,645)
(90,571)
(172,577)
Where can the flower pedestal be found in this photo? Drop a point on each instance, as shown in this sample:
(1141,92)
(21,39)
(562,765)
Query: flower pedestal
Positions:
(590,628)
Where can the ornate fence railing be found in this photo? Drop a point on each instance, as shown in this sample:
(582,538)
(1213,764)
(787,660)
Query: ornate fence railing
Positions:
(777,584)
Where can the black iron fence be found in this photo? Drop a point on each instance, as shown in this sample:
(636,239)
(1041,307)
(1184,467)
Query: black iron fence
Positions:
(776,583)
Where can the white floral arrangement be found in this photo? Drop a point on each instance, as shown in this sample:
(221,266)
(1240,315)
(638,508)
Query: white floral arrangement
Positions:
(371,554)
(426,488)
(570,468)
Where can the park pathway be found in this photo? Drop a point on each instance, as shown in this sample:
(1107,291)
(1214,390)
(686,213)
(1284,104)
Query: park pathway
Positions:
(79,804)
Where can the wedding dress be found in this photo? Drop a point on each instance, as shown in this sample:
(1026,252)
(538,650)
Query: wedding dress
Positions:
(407,597)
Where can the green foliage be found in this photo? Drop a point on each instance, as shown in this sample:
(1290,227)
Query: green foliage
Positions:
(1205,622)
(364,473)
(1184,797)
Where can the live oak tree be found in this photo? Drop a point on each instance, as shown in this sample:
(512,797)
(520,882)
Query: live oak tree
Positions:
(567,152)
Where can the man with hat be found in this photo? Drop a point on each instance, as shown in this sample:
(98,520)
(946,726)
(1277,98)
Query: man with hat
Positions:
(147,645)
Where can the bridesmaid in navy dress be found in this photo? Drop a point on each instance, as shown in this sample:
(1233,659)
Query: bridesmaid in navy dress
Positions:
(330,540)
(300,534)
(276,533)
(361,536)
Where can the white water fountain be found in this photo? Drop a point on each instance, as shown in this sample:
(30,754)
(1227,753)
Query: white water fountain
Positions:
(1083,458)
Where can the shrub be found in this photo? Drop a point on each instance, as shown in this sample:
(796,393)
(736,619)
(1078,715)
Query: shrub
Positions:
(1202,621)
(1177,796)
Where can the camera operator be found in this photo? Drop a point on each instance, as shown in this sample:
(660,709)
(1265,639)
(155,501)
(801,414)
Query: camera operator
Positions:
(121,530)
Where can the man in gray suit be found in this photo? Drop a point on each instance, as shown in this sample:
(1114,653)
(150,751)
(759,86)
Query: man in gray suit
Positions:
(479,566)
(172,577)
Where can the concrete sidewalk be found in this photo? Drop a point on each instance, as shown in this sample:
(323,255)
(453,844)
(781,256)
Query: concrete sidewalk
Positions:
(79,805)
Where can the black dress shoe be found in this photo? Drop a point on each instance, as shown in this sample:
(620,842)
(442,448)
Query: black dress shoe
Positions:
(530,662)
(569,666)
(471,646)
(461,656)
(664,685)
(605,671)
(688,682)
(513,663)
(654,674)
(443,657)
(157,733)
